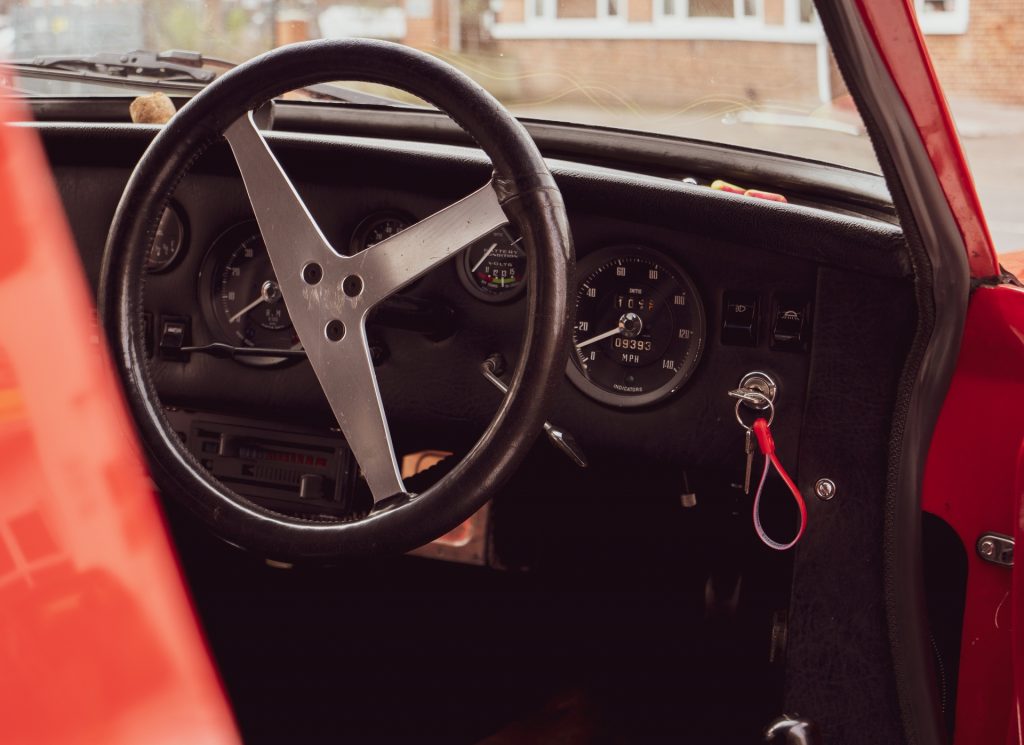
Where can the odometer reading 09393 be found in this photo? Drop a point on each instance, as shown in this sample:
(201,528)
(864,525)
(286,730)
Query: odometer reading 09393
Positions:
(639,327)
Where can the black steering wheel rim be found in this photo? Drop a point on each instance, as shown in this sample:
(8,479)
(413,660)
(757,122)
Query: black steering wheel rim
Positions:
(527,195)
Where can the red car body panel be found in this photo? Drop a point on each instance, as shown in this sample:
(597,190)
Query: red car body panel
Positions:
(900,44)
(970,476)
(98,640)
(1017,642)
(970,483)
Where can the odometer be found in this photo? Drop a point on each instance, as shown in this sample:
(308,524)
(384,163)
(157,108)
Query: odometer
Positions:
(639,327)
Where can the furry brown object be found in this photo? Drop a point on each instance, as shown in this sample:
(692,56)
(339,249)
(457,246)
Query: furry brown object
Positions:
(154,108)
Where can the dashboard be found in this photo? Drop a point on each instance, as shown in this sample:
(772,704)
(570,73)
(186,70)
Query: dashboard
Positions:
(640,323)
(681,291)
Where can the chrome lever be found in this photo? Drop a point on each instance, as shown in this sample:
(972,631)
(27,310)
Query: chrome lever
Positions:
(560,438)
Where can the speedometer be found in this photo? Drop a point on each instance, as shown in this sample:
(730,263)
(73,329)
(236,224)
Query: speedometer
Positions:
(639,327)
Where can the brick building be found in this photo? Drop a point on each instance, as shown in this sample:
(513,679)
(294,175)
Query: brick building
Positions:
(983,54)
(751,50)
(675,52)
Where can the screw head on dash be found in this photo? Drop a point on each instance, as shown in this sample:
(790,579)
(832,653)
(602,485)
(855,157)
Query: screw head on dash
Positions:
(825,489)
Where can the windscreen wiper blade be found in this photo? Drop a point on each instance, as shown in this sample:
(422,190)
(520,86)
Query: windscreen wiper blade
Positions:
(173,66)
(329,91)
(172,70)
(67,70)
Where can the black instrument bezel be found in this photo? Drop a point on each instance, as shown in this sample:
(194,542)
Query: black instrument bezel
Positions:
(585,268)
(474,289)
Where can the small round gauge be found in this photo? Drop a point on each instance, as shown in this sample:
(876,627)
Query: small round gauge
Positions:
(639,327)
(493,268)
(242,296)
(168,241)
(378,227)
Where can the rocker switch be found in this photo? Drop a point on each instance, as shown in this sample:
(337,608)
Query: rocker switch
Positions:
(175,333)
(739,319)
(790,327)
(311,486)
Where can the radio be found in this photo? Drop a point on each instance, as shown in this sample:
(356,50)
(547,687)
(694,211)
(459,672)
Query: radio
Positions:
(288,469)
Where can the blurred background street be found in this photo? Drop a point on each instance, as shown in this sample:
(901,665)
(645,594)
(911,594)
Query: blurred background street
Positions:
(993,137)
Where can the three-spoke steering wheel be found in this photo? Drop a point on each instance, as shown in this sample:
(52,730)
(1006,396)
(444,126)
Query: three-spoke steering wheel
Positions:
(329,295)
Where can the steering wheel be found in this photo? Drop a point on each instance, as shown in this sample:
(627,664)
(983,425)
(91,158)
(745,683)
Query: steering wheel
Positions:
(329,295)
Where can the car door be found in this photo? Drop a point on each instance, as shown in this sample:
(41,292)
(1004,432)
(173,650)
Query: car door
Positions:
(969,475)
(98,640)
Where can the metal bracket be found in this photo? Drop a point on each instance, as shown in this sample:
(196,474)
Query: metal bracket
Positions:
(996,548)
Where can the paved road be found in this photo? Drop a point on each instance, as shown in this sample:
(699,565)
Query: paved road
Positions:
(998,167)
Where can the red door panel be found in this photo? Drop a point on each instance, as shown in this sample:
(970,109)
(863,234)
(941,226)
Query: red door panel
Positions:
(970,483)
(98,640)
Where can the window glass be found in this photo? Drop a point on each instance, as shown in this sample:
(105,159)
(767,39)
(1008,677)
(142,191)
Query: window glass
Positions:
(754,73)
(807,11)
(712,8)
(577,9)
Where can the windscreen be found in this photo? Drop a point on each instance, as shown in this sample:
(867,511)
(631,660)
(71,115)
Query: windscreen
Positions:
(756,73)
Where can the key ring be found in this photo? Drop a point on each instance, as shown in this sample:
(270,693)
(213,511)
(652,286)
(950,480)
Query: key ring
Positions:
(753,397)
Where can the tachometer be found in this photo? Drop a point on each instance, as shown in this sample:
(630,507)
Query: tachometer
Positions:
(639,327)
(242,296)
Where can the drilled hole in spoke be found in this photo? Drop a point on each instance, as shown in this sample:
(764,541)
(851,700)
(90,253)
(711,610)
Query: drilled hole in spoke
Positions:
(335,330)
(312,273)
(352,286)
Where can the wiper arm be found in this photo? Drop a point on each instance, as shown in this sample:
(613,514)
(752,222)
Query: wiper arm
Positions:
(174,69)
(197,60)
(170,66)
(116,70)
(350,95)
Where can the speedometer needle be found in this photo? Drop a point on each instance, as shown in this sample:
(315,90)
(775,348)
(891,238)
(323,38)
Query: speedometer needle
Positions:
(268,292)
(599,337)
(483,258)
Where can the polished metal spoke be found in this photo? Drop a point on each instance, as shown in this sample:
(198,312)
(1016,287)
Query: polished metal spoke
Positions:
(282,216)
(345,371)
(388,266)
(329,296)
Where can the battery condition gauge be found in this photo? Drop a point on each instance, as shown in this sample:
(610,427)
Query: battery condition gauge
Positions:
(493,268)
(168,241)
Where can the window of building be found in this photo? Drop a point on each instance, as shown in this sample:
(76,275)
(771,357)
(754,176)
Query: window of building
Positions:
(792,21)
(707,9)
(712,8)
(807,11)
(576,9)
(943,16)
(555,12)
